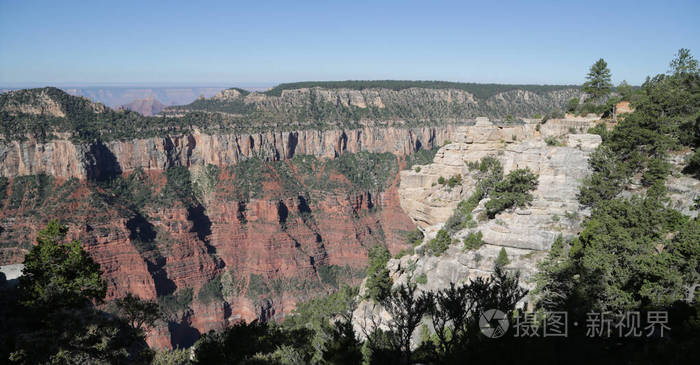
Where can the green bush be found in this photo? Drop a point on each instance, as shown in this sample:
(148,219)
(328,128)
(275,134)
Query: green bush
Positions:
(454,181)
(178,187)
(600,129)
(421,157)
(257,287)
(440,243)
(656,171)
(334,275)
(514,190)
(693,167)
(175,303)
(171,357)
(210,292)
(572,105)
(414,237)
(552,141)
(422,279)
(462,217)
(473,241)
(441,180)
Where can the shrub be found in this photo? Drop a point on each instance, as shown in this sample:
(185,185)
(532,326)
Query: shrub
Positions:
(211,291)
(552,141)
(599,129)
(177,302)
(421,157)
(462,217)
(417,169)
(171,357)
(441,180)
(572,105)
(454,181)
(657,170)
(414,238)
(440,243)
(257,286)
(422,279)
(514,190)
(473,241)
(693,167)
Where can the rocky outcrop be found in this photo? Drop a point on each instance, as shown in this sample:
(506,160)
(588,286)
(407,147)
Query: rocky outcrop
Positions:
(525,233)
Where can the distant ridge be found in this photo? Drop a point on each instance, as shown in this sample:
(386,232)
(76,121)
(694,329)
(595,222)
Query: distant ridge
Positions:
(481,91)
(147,106)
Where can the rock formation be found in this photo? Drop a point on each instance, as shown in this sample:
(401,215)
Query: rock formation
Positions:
(526,233)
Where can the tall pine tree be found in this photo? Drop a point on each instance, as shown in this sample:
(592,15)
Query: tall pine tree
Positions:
(598,84)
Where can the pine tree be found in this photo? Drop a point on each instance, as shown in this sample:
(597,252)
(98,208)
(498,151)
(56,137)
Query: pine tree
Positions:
(684,63)
(502,259)
(59,274)
(598,84)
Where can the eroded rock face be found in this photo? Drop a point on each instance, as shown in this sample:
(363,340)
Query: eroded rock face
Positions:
(525,233)
(284,240)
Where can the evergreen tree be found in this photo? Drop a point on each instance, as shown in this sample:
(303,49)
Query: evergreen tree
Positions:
(502,259)
(59,274)
(598,84)
(140,314)
(378,281)
(684,63)
(55,320)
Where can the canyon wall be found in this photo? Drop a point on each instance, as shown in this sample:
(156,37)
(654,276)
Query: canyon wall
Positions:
(64,158)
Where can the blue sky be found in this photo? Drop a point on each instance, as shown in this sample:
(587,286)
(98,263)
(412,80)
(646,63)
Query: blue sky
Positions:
(248,42)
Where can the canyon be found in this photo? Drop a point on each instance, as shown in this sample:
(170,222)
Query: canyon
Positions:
(222,223)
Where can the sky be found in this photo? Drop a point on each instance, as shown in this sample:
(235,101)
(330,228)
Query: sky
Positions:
(232,43)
